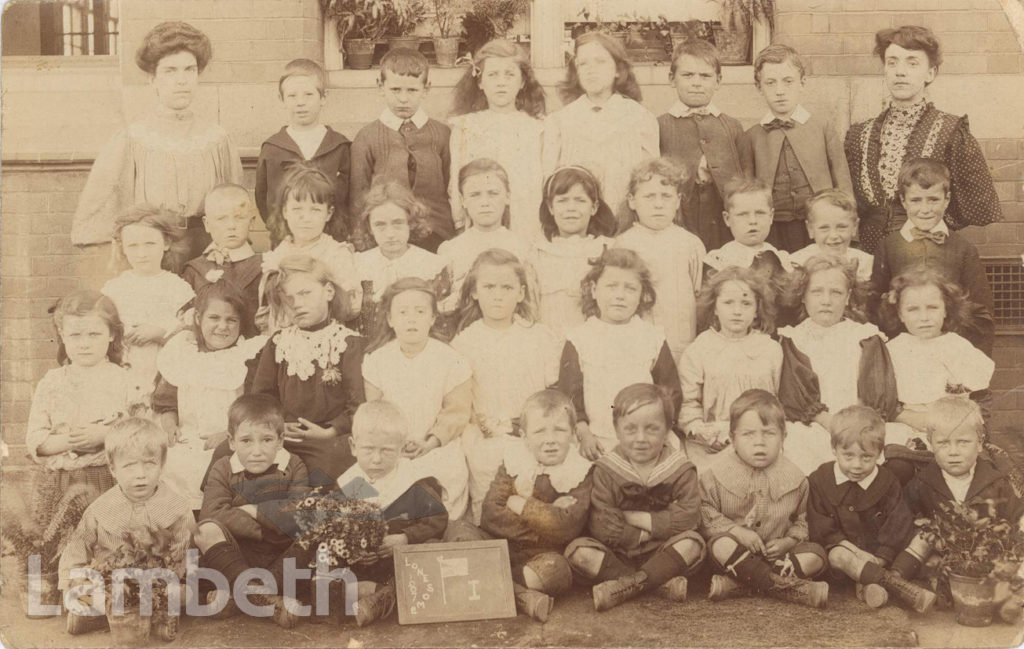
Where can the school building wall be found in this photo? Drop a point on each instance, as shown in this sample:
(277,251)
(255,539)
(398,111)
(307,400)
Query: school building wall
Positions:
(58,112)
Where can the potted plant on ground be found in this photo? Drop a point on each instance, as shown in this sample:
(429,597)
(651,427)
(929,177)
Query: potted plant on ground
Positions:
(490,19)
(408,15)
(126,601)
(976,553)
(732,35)
(44,533)
(448,21)
(360,25)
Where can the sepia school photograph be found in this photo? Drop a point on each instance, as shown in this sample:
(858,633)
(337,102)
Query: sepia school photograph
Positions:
(511,323)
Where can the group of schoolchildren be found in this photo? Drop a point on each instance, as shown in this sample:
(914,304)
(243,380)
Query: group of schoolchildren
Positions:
(581,340)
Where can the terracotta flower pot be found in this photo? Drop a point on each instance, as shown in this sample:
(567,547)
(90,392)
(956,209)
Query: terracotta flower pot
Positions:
(410,42)
(130,629)
(359,53)
(974,599)
(447,50)
(733,44)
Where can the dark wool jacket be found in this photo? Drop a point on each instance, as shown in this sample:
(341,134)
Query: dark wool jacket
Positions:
(243,275)
(927,489)
(279,155)
(875,519)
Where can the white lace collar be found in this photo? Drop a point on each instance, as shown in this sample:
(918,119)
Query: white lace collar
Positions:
(304,350)
(524,467)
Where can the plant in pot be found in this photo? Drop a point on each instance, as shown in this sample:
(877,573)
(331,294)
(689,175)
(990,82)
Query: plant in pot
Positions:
(490,19)
(133,611)
(977,552)
(616,29)
(732,35)
(408,15)
(689,30)
(448,20)
(360,25)
(44,534)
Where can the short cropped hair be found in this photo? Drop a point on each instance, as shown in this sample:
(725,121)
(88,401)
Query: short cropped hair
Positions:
(639,395)
(170,38)
(951,412)
(224,190)
(909,37)
(256,410)
(135,435)
(835,198)
(379,416)
(548,402)
(778,53)
(764,403)
(302,68)
(698,49)
(923,172)
(745,185)
(858,424)
(406,62)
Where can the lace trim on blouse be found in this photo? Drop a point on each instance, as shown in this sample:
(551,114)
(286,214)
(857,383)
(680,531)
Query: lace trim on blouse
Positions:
(304,351)
(896,129)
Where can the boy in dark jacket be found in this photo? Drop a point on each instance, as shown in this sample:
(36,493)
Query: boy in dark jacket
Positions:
(856,510)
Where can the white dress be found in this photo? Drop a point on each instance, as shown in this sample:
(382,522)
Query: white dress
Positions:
(737,254)
(418,387)
(338,257)
(509,365)
(462,251)
(207,383)
(513,140)
(381,272)
(612,357)
(150,300)
(561,264)
(609,142)
(928,369)
(674,257)
(864,260)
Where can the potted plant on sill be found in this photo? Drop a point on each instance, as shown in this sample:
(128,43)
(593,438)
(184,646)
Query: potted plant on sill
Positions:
(448,20)
(616,29)
(976,554)
(44,533)
(408,15)
(360,25)
(490,19)
(732,35)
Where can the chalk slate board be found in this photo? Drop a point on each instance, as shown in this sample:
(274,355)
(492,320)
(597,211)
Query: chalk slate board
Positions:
(450,582)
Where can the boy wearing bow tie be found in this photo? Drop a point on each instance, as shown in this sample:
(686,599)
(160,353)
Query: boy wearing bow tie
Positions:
(923,188)
(702,139)
(795,152)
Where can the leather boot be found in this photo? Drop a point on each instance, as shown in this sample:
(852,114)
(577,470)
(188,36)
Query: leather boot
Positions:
(872,594)
(799,591)
(533,603)
(610,594)
(282,616)
(377,606)
(674,590)
(917,598)
(724,587)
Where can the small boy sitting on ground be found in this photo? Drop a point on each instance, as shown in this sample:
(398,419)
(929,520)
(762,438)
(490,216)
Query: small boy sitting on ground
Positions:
(856,511)
(411,503)
(754,510)
(539,501)
(956,475)
(136,450)
(645,507)
(239,525)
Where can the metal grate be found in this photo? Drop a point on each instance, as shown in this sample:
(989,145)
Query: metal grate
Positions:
(1006,277)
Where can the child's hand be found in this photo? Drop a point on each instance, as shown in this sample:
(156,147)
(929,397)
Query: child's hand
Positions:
(249,509)
(314,431)
(590,446)
(516,503)
(144,334)
(777,548)
(564,502)
(749,539)
(88,437)
(414,448)
(390,542)
(641,520)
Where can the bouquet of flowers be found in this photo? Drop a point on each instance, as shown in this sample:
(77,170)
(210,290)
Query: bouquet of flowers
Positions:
(338,530)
